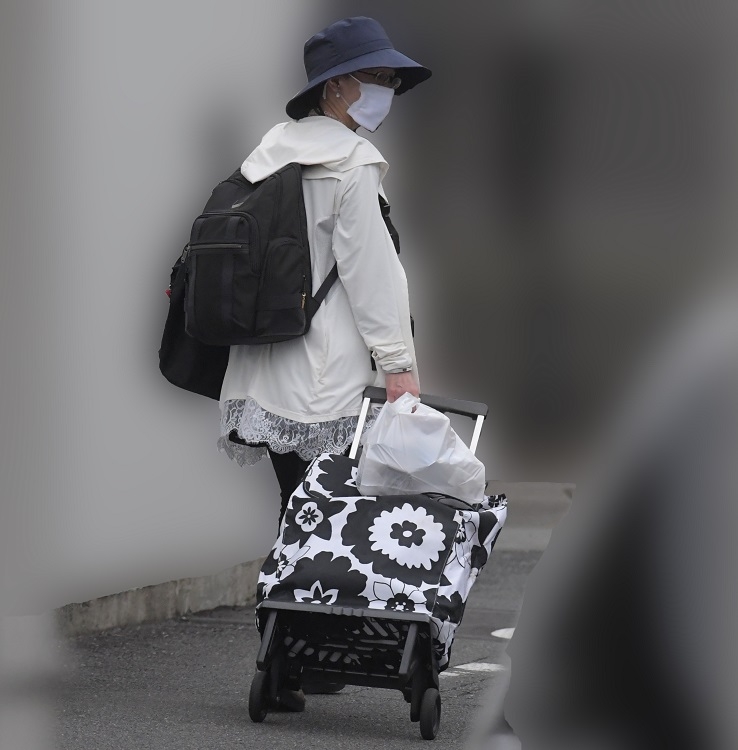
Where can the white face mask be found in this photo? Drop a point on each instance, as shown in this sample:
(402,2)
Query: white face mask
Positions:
(372,106)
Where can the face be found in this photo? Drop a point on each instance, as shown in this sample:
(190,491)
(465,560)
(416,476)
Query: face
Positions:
(348,85)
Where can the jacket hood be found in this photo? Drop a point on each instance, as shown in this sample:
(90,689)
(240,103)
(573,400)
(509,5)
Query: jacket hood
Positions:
(310,141)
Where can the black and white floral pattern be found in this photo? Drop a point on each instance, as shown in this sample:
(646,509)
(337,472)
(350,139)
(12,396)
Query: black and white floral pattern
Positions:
(410,536)
(449,607)
(411,554)
(442,637)
(489,527)
(316,595)
(397,596)
(278,564)
(464,534)
(308,517)
(317,580)
(332,476)
(404,537)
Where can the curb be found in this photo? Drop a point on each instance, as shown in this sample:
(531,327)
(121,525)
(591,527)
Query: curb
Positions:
(234,587)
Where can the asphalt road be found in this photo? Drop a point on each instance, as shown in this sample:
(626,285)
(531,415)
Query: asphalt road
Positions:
(183,684)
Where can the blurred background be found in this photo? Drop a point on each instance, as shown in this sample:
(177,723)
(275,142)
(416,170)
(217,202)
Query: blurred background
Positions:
(564,187)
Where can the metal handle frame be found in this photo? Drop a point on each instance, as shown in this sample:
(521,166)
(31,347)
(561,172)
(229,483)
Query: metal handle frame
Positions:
(473,409)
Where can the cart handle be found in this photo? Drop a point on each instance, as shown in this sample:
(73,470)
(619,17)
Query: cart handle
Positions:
(465,408)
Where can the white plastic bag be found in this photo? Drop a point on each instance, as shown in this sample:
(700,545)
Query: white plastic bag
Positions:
(412,448)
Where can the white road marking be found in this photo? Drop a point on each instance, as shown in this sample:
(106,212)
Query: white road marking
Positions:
(474,666)
(481,666)
(506,633)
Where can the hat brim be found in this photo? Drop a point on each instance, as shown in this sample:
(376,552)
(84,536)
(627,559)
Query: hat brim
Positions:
(411,73)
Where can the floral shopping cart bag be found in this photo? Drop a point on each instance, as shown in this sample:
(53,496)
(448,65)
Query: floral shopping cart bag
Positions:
(403,553)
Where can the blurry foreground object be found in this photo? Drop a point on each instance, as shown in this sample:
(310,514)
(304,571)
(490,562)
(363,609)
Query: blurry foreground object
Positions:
(586,151)
(621,208)
(627,635)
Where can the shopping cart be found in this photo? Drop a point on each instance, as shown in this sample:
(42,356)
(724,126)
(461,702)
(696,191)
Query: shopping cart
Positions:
(369,591)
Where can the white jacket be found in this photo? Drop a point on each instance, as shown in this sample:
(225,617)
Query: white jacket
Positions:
(320,376)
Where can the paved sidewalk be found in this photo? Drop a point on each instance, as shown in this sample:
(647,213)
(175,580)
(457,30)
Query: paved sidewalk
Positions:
(183,684)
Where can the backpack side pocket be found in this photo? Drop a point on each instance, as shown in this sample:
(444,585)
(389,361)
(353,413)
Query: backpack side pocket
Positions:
(285,288)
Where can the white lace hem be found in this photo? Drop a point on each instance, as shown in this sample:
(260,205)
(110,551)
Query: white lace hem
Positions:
(261,429)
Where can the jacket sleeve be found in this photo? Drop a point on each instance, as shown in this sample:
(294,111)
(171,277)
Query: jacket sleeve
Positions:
(371,272)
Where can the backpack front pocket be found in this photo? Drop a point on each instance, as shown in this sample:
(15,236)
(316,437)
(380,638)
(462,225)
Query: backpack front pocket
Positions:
(222,288)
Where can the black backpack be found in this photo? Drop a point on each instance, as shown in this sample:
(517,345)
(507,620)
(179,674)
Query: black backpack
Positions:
(244,278)
(247,264)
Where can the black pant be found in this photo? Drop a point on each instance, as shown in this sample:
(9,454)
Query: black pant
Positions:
(289,468)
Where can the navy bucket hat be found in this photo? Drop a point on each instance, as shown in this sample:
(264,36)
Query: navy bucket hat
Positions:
(345,47)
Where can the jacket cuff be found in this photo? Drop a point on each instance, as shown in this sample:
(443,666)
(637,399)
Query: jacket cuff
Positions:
(392,357)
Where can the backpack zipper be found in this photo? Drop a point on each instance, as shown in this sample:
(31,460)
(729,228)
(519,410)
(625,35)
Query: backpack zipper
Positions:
(253,228)
(255,268)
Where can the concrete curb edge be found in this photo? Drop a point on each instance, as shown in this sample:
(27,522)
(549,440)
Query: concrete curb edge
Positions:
(164,601)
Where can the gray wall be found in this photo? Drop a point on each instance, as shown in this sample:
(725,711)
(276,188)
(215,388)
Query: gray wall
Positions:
(117,119)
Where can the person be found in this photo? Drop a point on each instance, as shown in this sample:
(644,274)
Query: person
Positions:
(297,399)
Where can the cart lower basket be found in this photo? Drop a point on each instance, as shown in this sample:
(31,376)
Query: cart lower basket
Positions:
(352,646)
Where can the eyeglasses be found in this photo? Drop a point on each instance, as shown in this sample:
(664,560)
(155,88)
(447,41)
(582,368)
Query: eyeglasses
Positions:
(390,80)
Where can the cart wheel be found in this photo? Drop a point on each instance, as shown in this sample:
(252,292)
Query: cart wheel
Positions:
(416,697)
(430,714)
(258,697)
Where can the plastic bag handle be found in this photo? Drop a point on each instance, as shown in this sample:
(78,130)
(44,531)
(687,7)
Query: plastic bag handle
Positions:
(472,409)
(465,408)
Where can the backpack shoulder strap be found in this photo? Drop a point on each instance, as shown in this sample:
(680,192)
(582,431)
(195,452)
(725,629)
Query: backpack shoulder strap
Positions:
(325,287)
(385,208)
